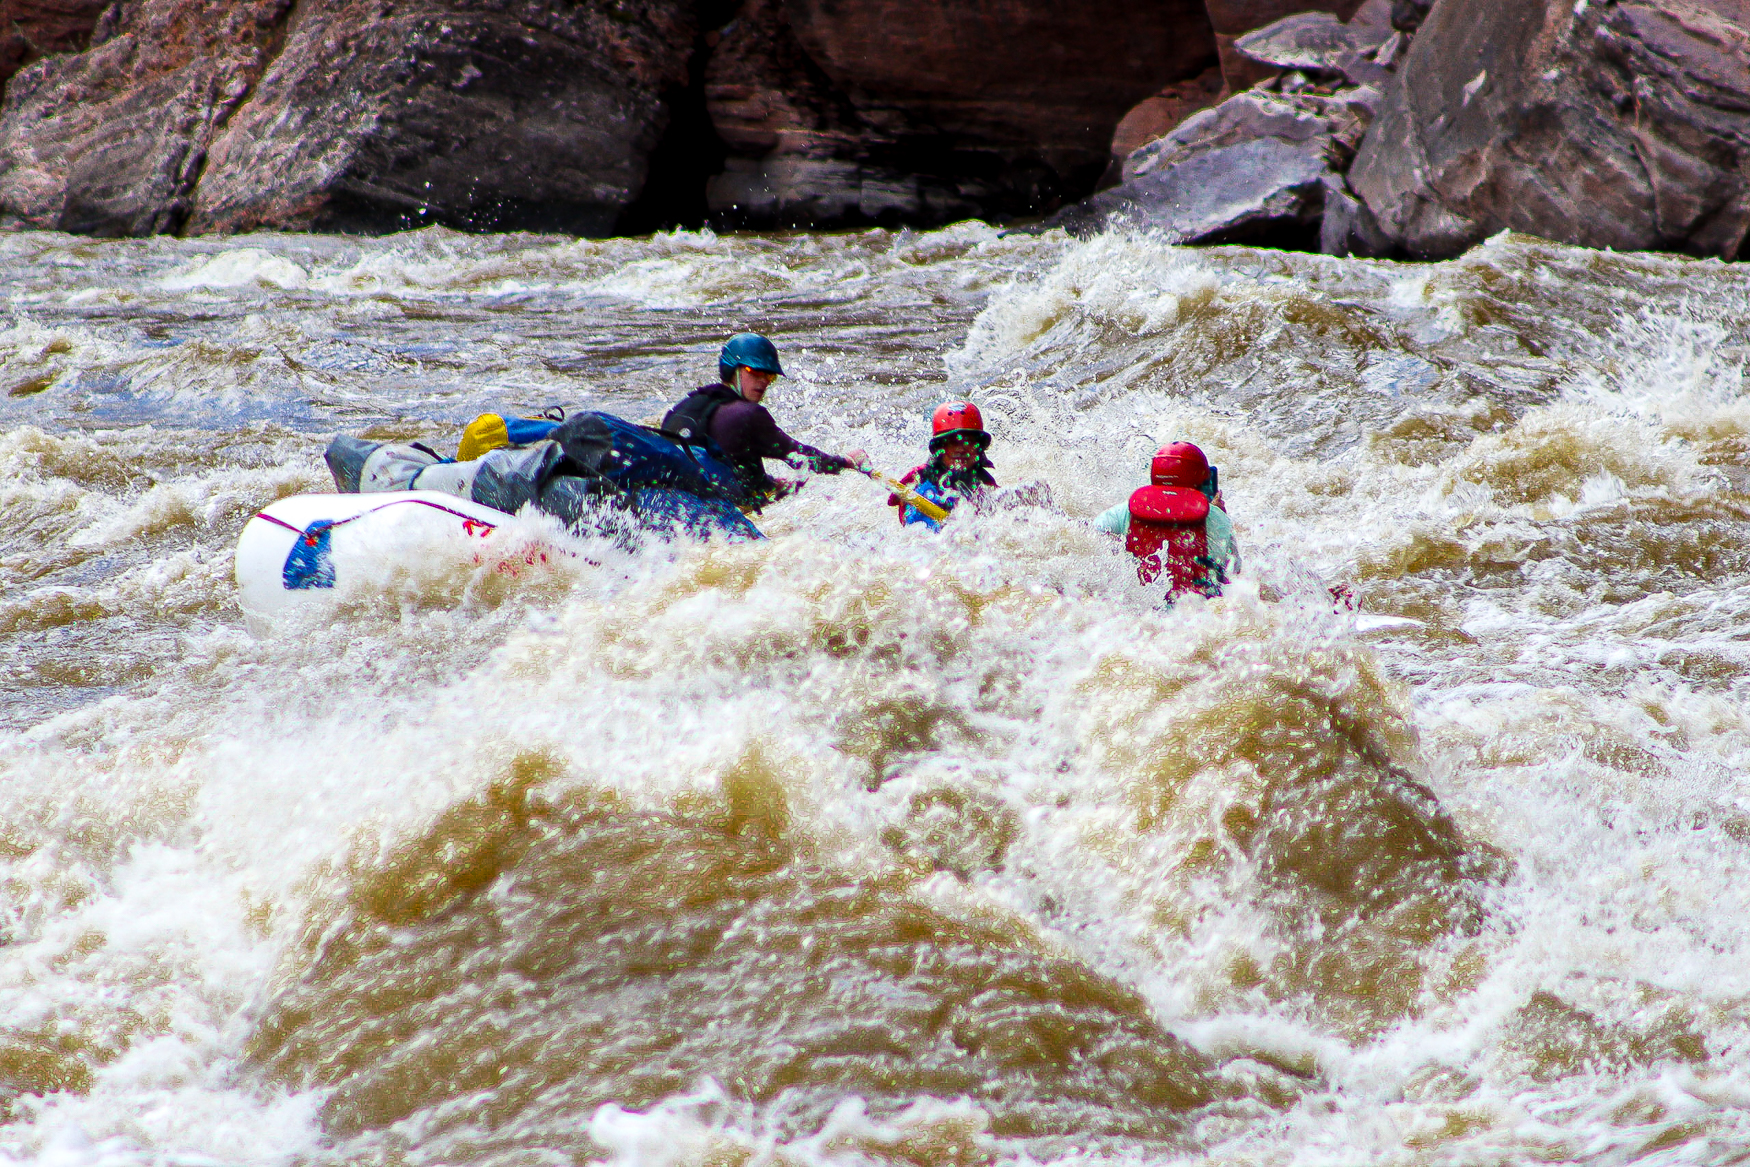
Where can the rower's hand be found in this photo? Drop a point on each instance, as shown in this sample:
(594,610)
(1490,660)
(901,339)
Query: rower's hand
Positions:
(857,458)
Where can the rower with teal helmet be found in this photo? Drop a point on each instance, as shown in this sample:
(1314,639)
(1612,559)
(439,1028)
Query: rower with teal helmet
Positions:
(729,415)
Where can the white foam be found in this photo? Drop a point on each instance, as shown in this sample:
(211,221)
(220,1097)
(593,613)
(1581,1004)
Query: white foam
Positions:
(241,267)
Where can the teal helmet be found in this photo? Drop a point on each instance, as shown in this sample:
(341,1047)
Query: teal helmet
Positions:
(748,350)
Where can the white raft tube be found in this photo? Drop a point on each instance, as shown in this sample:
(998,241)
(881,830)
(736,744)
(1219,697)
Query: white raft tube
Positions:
(299,549)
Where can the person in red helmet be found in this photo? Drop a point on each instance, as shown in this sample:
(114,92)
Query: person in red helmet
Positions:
(1175,526)
(957,467)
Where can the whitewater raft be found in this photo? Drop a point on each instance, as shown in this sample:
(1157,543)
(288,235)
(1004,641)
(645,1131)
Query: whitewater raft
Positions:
(405,506)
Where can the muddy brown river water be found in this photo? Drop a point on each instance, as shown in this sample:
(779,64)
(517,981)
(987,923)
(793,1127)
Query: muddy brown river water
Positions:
(867,845)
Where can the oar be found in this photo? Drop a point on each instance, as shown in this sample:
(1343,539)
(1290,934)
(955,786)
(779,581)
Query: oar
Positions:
(906,493)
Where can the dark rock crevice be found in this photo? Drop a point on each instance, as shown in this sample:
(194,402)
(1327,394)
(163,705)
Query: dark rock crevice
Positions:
(690,151)
(273,44)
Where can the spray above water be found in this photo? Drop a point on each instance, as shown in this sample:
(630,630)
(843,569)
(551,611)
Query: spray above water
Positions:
(866,844)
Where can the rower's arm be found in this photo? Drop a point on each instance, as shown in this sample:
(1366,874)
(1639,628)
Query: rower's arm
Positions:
(1114,520)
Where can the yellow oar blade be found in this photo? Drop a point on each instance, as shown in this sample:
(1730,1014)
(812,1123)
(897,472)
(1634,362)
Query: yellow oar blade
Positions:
(910,496)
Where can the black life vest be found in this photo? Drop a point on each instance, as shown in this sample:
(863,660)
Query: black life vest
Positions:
(1168,533)
(690,420)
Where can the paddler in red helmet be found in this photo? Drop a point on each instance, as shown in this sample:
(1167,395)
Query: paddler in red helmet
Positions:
(1175,526)
(957,468)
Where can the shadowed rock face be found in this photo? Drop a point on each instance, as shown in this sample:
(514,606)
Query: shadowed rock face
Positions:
(30,29)
(800,152)
(847,110)
(1043,77)
(482,116)
(110,141)
(1622,125)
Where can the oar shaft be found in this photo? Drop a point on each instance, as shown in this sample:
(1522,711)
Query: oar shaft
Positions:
(910,496)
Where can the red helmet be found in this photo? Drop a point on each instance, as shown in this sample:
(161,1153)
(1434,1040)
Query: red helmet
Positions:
(1180,464)
(957,419)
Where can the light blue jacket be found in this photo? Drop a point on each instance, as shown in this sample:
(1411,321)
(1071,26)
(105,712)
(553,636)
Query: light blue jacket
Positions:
(1218,529)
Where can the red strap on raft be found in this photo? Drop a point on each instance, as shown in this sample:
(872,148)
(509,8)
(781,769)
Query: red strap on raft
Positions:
(1167,533)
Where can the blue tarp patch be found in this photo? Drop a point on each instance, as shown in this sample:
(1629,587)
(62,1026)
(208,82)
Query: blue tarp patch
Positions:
(526,431)
(936,495)
(308,564)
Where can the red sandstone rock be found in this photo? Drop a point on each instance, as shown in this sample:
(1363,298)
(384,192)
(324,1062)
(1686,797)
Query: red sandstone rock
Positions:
(841,111)
(485,115)
(110,141)
(1622,124)
(1037,76)
(765,95)
(1154,117)
(801,155)
(374,114)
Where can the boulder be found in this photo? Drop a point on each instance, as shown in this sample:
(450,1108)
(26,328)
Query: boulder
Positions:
(214,115)
(1252,167)
(111,140)
(1619,124)
(1337,53)
(1232,19)
(1318,43)
(380,115)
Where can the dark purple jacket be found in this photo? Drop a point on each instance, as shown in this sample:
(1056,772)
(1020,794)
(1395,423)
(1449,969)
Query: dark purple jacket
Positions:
(746,434)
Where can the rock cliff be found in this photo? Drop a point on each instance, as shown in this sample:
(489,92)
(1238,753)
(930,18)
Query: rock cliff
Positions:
(230,115)
(144,116)
(1412,127)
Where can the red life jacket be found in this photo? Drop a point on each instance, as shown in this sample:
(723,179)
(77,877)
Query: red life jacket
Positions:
(1167,533)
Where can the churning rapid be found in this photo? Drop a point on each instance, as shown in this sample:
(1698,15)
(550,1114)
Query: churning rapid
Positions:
(865,844)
